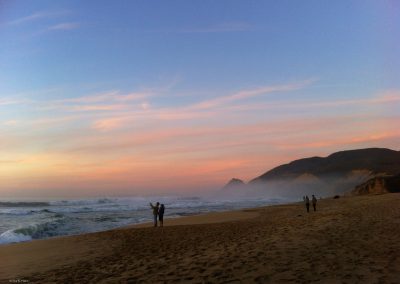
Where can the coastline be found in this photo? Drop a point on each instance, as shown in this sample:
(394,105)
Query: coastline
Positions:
(36,255)
(27,221)
(203,218)
(347,239)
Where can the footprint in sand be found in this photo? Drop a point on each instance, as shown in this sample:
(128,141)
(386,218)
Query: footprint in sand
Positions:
(262,279)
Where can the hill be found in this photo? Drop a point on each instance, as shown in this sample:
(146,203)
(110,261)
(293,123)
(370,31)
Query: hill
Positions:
(337,173)
(374,160)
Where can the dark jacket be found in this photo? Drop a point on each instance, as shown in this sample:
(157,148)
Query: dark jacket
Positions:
(161,210)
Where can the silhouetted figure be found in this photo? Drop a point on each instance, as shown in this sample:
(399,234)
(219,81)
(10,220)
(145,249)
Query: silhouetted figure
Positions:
(155,212)
(161,215)
(314,202)
(307,201)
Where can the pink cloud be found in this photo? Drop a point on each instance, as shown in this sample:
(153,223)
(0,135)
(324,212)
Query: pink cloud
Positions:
(108,107)
(343,141)
(252,93)
(110,138)
(113,96)
(109,124)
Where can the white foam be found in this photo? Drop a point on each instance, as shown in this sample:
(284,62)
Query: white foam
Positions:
(11,237)
(90,215)
(14,211)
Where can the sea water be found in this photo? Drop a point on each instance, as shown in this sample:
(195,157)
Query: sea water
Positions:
(27,220)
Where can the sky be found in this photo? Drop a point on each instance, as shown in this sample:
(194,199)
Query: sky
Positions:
(121,98)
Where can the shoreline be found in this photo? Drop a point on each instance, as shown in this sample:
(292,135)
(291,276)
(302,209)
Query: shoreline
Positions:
(202,218)
(168,221)
(45,249)
(350,239)
(192,219)
(24,233)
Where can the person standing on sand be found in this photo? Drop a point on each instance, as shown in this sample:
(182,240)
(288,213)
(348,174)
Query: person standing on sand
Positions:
(307,201)
(155,212)
(314,202)
(161,215)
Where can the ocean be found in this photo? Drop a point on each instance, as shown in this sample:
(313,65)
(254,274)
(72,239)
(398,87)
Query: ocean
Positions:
(28,220)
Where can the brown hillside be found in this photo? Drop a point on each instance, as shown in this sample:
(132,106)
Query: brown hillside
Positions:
(378,185)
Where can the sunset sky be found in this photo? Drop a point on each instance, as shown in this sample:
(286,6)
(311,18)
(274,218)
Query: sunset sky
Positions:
(162,97)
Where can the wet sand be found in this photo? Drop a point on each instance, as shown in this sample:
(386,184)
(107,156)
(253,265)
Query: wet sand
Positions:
(348,240)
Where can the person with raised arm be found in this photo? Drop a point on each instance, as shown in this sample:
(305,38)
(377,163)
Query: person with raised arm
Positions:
(155,212)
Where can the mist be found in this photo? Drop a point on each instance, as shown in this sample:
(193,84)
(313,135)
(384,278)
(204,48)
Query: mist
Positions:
(292,189)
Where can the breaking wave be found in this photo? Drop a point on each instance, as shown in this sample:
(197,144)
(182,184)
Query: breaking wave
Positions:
(24,221)
(24,204)
(33,231)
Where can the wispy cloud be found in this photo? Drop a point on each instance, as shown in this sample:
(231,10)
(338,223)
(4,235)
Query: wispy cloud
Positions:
(10,161)
(385,98)
(131,107)
(376,138)
(36,16)
(220,28)
(245,94)
(389,97)
(101,102)
(112,96)
(227,27)
(10,122)
(11,101)
(64,26)
(108,124)
(209,140)
(81,108)
(26,19)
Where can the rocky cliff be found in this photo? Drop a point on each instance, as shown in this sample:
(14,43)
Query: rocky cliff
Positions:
(378,185)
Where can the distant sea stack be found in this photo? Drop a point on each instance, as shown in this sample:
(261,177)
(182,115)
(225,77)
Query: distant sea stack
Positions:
(378,185)
(234,183)
(235,188)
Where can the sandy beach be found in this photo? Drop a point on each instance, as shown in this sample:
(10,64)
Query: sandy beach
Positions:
(348,240)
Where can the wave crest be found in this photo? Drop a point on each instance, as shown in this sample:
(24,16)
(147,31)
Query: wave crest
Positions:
(23,204)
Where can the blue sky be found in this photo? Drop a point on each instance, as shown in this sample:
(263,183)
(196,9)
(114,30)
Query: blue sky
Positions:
(204,45)
(298,61)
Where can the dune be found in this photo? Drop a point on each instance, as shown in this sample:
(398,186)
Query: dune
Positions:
(348,240)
